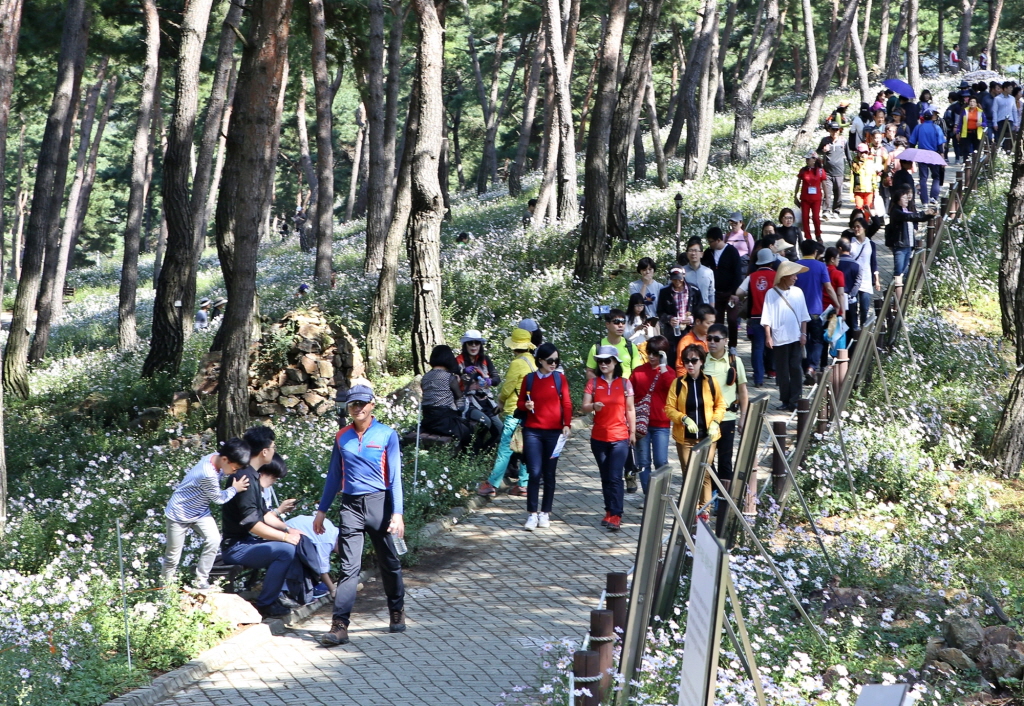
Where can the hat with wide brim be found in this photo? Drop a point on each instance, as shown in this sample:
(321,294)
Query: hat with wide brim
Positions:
(204,302)
(788,268)
(528,325)
(472,335)
(607,353)
(765,256)
(220,301)
(520,340)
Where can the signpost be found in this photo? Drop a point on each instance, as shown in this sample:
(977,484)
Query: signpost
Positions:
(704,618)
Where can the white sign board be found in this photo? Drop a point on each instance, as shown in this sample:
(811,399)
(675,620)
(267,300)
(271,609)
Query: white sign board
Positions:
(884,695)
(703,621)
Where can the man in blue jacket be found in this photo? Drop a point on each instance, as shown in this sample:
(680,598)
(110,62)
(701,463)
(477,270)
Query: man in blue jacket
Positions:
(366,467)
(929,136)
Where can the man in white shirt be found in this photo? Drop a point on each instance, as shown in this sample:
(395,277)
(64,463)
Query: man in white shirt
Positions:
(785,318)
(1004,111)
(697,275)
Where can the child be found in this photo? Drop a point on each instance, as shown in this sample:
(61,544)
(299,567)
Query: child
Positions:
(189,507)
(864,179)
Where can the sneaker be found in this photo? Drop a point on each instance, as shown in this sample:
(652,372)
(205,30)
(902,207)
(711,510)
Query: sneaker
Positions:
(321,590)
(531,522)
(631,483)
(543,520)
(337,635)
(615,522)
(517,491)
(207,587)
(397,621)
(486,490)
(809,379)
(607,516)
(277,609)
(771,374)
(287,601)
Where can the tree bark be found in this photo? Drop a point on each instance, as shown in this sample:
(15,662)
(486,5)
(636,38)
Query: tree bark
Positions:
(803,137)
(127,335)
(967,8)
(568,202)
(723,49)
(626,117)
(218,168)
(529,114)
(306,241)
(652,119)
(1010,295)
(913,54)
(594,231)
(771,54)
(639,155)
(547,196)
(427,209)
(245,197)
(863,81)
(701,112)
(588,95)
(20,196)
(744,104)
(323,230)
(172,309)
(379,178)
(682,105)
(892,62)
(883,36)
(865,35)
(812,47)
(942,39)
(487,95)
(357,156)
(48,192)
(996,13)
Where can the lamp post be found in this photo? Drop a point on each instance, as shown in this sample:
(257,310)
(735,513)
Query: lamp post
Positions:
(679,220)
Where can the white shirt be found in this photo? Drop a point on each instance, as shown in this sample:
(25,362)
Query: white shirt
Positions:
(324,542)
(650,295)
(861,252)
(703,279)
(1004,107)
(784,319)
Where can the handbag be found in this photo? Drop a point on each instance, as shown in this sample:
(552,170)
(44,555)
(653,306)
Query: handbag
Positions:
(516,442)
(643,409)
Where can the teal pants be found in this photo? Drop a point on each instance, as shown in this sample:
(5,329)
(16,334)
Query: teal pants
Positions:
(505,453)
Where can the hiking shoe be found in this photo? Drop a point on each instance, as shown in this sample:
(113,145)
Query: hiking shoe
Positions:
(543,520)
(631,483)
(337,635)
(486,490)
(517,491)
(277,609)
(607,516)
(531,522)
(321,590)
(397,621)
(615,522)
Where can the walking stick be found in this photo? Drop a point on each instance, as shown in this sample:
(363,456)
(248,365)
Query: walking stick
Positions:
(416,462)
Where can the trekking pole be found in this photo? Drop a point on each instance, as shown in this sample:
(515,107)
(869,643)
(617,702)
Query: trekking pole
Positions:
(416,461)
(124,595)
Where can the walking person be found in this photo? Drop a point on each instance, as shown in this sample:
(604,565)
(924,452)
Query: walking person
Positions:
(646,286)
(757,285)
(788,231)
(615,329)
(189,508)
(740,239)
(834,151)
(724,260)
(949,119)
(731,378)
(478,378)
(810,181)
(703,319)
(508,398)
(696,408)
(954,59)
(1005,117)
(970,127)
(851,271)
(865,252)
(700,279)
(929,136)
(674,306)
(901,231)
(366,470)
(202,321)
(545,404)
(651,382)
(610,397)
(815,284)
(639,326)
(785,320)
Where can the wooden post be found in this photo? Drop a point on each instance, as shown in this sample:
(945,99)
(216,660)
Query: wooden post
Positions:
(586,669)
(779,477)
(616,595)
(602,639)
(839,369)
(803,412)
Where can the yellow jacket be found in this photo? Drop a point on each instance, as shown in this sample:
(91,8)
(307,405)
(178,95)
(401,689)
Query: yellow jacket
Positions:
(508,395)
(712,408)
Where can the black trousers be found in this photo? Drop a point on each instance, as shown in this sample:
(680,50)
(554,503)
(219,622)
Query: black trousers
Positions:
(726,314)
(371,515)
(788,373)
(723,467)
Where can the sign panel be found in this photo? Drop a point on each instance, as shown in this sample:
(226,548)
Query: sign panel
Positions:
(703,621)
(884,695)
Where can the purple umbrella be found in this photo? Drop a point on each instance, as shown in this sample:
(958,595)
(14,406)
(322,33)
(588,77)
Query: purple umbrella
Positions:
(922,157)
(901,87)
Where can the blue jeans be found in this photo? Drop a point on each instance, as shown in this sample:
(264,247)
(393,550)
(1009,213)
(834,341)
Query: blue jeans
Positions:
(654,442)
(755,334)
(864,306)
(815,342)
(276,557)
(936,173)
(538,445)
(505,453)
(611,461)
(901,260)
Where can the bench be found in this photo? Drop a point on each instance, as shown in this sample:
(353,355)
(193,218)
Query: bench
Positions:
(234,574)
(69,291)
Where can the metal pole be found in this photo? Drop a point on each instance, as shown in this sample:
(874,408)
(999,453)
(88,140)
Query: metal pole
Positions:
(124,594)
(842,445)
(416,459)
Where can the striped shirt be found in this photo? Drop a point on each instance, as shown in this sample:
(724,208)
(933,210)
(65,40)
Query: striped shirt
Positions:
(191,500)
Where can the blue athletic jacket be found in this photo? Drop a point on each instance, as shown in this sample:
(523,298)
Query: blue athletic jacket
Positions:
(365,464)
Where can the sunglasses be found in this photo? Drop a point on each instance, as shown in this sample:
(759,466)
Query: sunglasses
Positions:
(551,361)
(606,361)
(618,322)
(692,361)
(715,339)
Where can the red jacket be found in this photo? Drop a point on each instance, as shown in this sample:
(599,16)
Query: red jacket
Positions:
(548,412)
(642,378)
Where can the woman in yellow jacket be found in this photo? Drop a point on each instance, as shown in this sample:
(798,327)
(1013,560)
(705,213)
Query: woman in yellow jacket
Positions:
(696,407)
(970,126)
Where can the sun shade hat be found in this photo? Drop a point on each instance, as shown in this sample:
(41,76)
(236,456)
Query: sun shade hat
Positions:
(862,148)
(607,353)
(359,393)
(736,217)
(520,340)
(676,273)
(811,155)
(789,268)
(765,256)
(473,335)
(220,301)
(204,301)
(530,325)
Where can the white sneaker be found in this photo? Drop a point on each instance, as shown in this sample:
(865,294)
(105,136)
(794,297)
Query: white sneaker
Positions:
(543,520)
(531,522)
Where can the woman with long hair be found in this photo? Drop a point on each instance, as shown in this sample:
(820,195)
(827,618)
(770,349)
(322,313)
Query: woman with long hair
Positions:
(901,230)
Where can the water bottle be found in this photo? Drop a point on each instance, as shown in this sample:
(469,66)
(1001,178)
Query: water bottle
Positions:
(400,546)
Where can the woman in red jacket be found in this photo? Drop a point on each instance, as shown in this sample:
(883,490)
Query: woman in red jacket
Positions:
(546,408)
(809,184)
(652,381)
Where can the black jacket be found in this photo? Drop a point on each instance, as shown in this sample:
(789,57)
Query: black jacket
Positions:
(666,307)
(728,271)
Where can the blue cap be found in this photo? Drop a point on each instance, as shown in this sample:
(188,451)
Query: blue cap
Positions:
(360,393)
(303,288)
(528,325)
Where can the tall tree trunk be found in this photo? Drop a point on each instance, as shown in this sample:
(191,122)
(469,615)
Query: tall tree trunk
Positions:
(127,335)
(723,49)
(379,178)
(427,210)
(639,155)
(364,176)
(844,73)
(652,119)
(20,195)
(69,243)
(967,8)
(995,14)
(626,117)
(323,230)
(487,95)
(48,192)
(744,104)
(865,35)
(588,95)
(547,196)
(942,39)
(682,104)
(803,137)
(701,111)
(894,60)
(798,67)
(594,232)
(245,197)
(218,167)
(306,165)
(863,82)
(172,309)
(883,36)
(357,156)
(678,66)
(392,86)
(913,54)
(812,47)
(159,130)
(568,201)
(771,54)
(529,114)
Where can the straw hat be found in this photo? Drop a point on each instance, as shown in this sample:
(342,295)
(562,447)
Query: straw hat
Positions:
(520,340)
(789,268)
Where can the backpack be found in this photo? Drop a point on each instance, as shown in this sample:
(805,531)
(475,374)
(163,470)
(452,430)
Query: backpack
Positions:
(558,388)
(629,349)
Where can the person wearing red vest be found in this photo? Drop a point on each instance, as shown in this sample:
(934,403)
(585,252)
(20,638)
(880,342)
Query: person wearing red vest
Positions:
(546,409)
(756,286)
(610,397)
(810,181)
